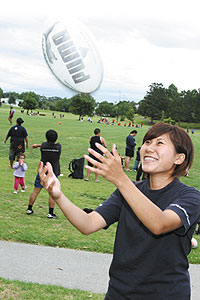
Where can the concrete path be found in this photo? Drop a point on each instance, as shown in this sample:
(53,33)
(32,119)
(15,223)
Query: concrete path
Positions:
(71,269)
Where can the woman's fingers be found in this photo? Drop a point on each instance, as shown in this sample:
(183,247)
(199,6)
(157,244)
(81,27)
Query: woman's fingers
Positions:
(104,150)
(49,168)
(92,160)
(40,169)
(114,150)
(45,172)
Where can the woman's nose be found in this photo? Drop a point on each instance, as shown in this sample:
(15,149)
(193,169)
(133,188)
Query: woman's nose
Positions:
(150,147)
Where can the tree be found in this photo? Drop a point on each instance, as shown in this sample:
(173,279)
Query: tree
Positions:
(27,95)
(175,103)
(190,107)
(29,103)
(62,105)
(125,109)
(1,93)
(11,99)
(130,114)
(8,94)
(31,100)
(82,104)
(105,109)
(156,102)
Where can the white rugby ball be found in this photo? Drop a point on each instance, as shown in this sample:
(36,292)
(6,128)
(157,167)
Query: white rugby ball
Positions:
(194,243)
(71,54)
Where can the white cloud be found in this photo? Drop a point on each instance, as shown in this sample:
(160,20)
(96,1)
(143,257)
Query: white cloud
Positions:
(140,42)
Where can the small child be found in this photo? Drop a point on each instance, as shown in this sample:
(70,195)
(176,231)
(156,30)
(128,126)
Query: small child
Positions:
(20,167)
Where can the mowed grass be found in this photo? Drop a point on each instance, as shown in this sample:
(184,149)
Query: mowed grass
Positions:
(12,290)
(74,137)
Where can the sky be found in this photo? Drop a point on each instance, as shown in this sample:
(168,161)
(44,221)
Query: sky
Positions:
(140,43)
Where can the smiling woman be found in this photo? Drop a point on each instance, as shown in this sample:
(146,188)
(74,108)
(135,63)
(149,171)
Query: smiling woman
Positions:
(156,217)
(170,142)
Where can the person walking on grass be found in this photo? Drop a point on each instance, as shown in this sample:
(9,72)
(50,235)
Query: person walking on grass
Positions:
(49,152)
(156,217)
(93,140)
(11,114)
(20,167)
(18,135)
(130,148)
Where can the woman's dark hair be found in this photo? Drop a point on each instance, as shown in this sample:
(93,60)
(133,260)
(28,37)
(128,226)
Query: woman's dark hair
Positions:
(181,141)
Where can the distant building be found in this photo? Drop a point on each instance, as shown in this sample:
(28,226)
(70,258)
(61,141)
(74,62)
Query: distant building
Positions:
(5,101)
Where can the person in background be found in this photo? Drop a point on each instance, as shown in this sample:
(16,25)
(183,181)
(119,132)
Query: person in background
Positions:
(20,167)
(130,148)
(137,160)
(141,173)
(50,151)
(97,138)
(11,114)
(18,135)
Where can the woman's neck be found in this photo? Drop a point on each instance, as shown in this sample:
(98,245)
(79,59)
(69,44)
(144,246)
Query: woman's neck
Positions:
(157,181)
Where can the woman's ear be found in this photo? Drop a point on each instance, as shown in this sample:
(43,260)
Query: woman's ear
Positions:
(180,157)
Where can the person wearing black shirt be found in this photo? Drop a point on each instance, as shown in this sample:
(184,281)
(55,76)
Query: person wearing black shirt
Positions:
(18,135)
(50,152)
(156,217)
(93,140)
(130,148)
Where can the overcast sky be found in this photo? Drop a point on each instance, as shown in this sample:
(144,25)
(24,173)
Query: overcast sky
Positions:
(140,42)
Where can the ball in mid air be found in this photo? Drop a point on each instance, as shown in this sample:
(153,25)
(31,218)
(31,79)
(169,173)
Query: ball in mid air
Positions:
(70,51)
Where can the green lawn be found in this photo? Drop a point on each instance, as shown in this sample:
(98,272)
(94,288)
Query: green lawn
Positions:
(16,290)
(74,137)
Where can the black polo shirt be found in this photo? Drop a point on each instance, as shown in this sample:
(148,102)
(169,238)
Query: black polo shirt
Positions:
(147,266)
(17,133)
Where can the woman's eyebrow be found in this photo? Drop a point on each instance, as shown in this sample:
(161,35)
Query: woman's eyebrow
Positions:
(161,138)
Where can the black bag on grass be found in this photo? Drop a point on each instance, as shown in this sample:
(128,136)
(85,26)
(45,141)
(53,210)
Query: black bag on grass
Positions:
(76,168)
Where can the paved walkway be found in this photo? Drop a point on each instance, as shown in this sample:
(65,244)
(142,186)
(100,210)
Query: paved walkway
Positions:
(71,269)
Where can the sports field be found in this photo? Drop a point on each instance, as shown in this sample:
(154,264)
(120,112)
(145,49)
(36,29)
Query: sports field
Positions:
(74,137)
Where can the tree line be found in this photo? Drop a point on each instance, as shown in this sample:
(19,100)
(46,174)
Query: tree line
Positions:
(170,105)
(81,104)
(159,103)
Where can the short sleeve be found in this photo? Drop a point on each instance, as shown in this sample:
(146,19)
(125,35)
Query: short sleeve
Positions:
(9,132)
(111,208)
(187,207)
(25,133)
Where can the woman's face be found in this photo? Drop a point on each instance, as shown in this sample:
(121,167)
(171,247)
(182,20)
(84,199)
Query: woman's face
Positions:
(158,156)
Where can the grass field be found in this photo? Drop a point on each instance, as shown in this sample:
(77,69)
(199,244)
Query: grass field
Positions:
(74,137)
(16,290)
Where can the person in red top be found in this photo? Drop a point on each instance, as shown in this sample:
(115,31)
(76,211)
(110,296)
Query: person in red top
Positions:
(11,114)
